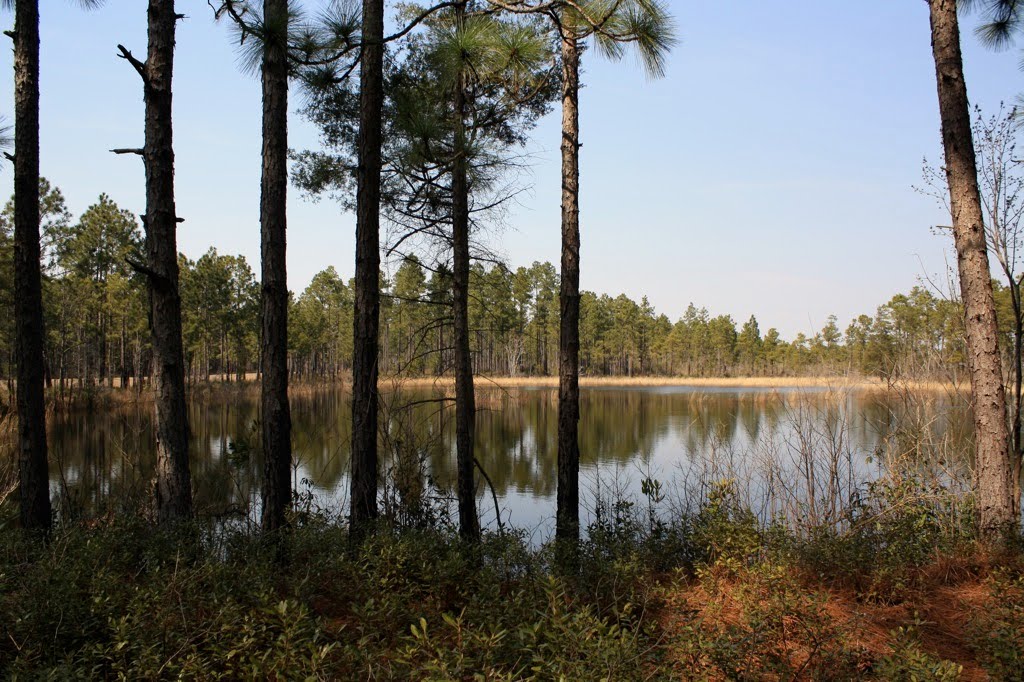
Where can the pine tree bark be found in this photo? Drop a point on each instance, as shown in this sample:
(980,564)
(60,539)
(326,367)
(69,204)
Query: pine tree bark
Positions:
(124,353)
(28,298)
(1016,450)
(567,521)
(993,477)
(465,400)
(173,477)
(276,416)
(366,323)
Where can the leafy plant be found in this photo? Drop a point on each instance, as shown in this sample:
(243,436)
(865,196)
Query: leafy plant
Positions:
(909,663)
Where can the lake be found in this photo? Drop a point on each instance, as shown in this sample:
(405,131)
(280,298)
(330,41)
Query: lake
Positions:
(796,452)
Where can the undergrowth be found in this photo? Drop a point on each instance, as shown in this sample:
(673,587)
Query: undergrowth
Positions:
(714,595)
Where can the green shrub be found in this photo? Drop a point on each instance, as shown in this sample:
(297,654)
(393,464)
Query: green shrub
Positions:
(892,533)
(909,663)
(997,632)
(725,532)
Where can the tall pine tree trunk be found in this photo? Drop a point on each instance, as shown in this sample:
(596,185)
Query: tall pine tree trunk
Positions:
(465,401)
(993,478)
(124,353)
(567,522)
(276,417)
(1018,391)
(105,375)
(366,323)
(173,478)
(28,297)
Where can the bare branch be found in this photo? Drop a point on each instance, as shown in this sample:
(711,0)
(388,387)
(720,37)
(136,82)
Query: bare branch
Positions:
(140,67)
(423,16)
(143,269)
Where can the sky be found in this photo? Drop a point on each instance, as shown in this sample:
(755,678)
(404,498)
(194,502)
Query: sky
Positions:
(770,172)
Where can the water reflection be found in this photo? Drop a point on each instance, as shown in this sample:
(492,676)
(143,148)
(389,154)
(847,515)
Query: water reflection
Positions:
(760,437)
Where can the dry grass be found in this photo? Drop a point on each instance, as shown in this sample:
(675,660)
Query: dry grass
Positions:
(107,397)
(8,461)
(596,381)
(698,382)
(8,477)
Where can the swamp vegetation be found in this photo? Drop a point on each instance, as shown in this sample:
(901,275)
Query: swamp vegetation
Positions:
(159,522)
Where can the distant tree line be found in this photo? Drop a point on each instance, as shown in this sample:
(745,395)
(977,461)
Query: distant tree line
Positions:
(96,331)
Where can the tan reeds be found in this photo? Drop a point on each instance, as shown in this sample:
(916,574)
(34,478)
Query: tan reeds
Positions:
(699,382)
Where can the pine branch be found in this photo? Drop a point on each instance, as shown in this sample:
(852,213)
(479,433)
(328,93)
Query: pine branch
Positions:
(144,269)
(140,67)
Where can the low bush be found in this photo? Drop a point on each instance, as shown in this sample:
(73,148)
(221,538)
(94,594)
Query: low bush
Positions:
(997,633)
(715,595)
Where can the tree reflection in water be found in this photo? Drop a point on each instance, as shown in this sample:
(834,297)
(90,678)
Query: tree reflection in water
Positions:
(788,450)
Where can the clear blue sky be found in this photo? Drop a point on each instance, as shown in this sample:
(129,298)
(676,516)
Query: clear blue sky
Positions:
(770,172)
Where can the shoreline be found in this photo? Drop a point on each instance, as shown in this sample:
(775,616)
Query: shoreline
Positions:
(824,382)
(102,397)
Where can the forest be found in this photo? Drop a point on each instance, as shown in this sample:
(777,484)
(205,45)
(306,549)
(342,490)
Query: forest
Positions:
(352,516)
(97,332)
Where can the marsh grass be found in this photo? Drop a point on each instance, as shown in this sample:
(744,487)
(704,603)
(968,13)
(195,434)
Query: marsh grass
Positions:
(823,382)
(106,397)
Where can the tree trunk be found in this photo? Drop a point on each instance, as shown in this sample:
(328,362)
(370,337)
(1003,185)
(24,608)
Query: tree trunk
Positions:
(138,372)
(173,478)
(276,417)
(28,297)
(993,479)
(465,402)
(124,353)
(105,375)
(567,523)
(1018,390)
(439,366)
(366,322)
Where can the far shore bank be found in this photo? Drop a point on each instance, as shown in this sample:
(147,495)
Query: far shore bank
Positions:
(836,382)
(111,396)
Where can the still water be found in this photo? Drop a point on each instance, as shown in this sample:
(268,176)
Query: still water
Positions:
(785,448)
